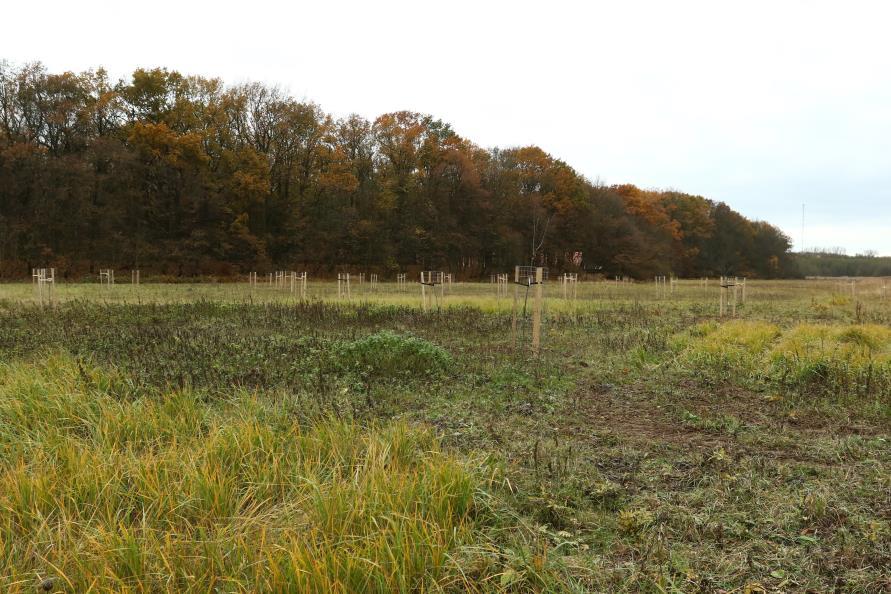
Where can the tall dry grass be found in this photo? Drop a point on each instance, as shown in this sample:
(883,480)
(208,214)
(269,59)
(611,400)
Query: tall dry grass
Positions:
(103,493)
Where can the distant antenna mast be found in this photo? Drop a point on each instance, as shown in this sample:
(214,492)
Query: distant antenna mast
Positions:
(802,228)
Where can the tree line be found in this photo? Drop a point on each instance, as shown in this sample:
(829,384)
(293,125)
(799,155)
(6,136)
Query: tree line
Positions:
(834,263)
(184,175)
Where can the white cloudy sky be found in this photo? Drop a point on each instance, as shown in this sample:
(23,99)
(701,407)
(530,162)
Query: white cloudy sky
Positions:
(764,105)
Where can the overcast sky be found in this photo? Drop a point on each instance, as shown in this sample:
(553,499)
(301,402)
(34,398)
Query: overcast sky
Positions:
(763,105)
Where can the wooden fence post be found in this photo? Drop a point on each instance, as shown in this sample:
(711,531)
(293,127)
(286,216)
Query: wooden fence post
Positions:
(722,291)
(513,317)
(536,313)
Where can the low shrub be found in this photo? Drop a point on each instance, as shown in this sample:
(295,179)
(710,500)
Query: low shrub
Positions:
(387,355)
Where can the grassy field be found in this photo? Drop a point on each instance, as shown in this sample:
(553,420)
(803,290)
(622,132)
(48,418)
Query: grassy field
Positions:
(478,295)
(217,438)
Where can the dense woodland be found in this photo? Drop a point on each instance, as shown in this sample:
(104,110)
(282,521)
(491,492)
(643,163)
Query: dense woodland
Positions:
(183,175)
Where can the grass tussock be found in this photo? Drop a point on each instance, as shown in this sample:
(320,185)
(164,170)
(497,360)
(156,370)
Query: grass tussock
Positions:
(837,360)
(172,494)
(726,349)
(843,359)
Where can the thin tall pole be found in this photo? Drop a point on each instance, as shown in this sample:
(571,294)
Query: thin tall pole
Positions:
(802,227)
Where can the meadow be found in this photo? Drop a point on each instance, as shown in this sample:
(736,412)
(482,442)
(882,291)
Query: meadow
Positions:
(218,437)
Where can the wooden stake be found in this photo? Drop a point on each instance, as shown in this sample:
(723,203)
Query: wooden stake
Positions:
(723,290)
(569,282)
(500,281)
(735,291)
(513,319)
(536,314)
(343,285)
(44,281)
(106,277)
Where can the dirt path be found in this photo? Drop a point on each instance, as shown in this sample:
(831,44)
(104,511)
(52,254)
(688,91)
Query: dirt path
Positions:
(646,420)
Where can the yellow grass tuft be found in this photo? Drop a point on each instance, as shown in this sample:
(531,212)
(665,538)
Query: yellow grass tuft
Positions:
(837,359)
